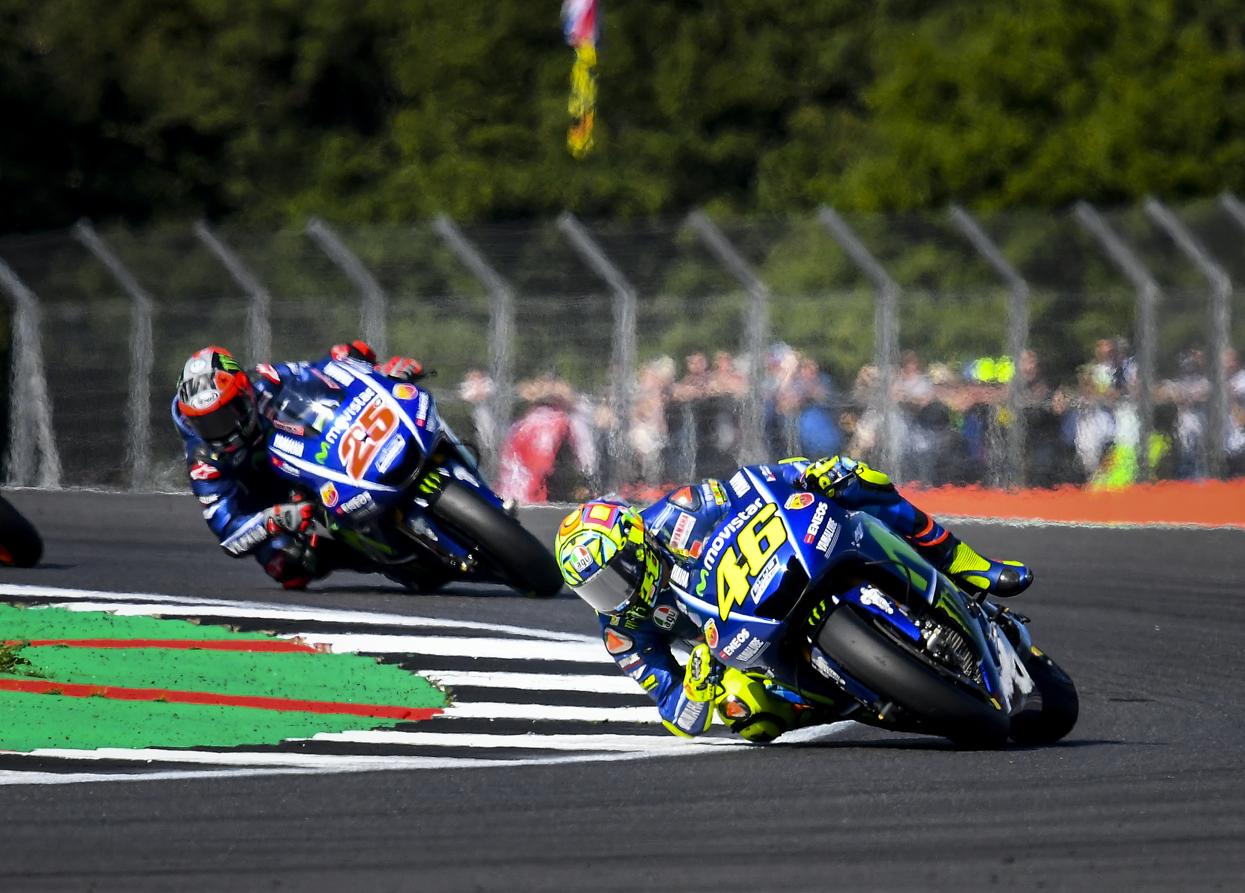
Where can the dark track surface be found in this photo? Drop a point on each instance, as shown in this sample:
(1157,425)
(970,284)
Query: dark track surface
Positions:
(1147,793)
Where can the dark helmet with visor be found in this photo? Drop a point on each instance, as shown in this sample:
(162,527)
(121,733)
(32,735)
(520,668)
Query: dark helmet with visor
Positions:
(217,401)
(608,558)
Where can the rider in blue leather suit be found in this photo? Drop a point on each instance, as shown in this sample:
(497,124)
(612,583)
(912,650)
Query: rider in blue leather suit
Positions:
(620,561)
(219,410)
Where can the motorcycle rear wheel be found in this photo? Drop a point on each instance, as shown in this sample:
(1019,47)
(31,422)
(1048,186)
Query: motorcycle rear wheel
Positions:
(1057,707)
(502,541)
(935,702)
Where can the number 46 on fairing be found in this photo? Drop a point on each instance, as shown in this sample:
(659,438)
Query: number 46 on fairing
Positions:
(758,540)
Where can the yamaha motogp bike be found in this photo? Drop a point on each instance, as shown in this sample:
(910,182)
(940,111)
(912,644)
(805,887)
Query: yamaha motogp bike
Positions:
(396,486)
(834,605)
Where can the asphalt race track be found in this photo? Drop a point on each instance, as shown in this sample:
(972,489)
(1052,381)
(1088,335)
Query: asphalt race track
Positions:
(1147,793)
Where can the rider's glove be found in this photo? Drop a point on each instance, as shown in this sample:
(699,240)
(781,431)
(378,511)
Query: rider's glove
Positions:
(291,517)
(296,563)
(702,676)
(355,350)
(824,476)
(402,368)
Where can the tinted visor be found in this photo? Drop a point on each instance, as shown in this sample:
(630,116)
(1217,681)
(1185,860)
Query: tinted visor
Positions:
(609,591)
(230,426)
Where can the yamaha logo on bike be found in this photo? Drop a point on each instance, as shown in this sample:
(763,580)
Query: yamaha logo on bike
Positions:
(287,444)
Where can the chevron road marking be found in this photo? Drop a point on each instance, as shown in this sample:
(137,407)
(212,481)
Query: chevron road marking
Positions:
(522,730)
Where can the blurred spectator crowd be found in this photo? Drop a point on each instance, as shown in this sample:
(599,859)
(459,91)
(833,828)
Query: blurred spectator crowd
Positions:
(953,421)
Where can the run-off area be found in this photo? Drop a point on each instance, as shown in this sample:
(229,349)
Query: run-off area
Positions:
(116,686)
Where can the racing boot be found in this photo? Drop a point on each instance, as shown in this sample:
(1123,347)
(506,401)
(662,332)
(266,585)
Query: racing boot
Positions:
(855,485)
(962,563)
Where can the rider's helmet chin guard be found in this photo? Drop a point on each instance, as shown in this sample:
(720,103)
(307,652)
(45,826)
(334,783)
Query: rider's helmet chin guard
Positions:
(215,397)
(608,558)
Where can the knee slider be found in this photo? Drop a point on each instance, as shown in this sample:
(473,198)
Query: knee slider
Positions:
(750,711)
(760,729)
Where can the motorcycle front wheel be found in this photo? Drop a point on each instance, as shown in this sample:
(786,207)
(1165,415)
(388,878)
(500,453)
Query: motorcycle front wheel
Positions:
(1053,712)
(500,540)
(935,702)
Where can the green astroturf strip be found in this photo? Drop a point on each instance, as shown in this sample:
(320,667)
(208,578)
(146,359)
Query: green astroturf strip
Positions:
(30,721)
(310,677)
(57,623)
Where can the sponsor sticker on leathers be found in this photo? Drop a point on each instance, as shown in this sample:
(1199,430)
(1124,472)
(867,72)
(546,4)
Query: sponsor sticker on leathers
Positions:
(617,643)
(201,471)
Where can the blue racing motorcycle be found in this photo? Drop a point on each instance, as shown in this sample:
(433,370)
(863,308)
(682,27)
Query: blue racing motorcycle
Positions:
(395,485)
(833,605)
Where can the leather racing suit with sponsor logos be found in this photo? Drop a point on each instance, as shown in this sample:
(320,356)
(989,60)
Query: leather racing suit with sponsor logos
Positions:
(682,523)
(236,489)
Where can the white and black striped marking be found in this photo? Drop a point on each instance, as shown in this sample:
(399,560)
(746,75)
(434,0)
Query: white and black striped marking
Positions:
(521,697)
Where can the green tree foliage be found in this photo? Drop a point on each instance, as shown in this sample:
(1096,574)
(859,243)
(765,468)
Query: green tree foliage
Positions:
(392,110)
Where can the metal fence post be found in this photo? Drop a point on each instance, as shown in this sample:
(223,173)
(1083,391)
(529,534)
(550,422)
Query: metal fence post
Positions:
(1147,299)
(885,333)
(142,353)
(1220,323)
(1017,337)
(372,310)
(756,335)
(258,328)
(501,332)
(30,410)
(1233,206)
(623,361)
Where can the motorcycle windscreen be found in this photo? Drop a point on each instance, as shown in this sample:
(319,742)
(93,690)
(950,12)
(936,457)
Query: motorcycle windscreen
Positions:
(308,407)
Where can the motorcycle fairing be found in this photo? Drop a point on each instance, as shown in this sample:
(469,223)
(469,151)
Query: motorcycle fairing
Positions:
(739,589)
(399,450)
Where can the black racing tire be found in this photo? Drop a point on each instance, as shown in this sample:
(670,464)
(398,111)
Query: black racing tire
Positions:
(1053,713)
(506,545)
(20,543)
(935,702)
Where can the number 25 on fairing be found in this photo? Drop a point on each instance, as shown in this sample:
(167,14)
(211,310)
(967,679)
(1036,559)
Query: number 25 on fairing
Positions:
(365,437)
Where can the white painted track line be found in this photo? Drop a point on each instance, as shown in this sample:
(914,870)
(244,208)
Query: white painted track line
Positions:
(540,712)
(458,646)
(617,685)
(123,603)
(527,741)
